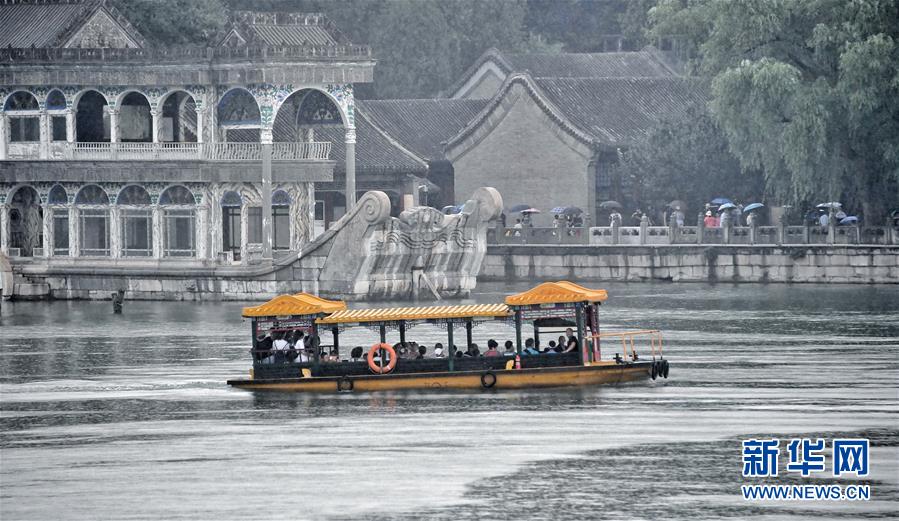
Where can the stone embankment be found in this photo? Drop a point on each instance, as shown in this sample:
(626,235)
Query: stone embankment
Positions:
(854,264)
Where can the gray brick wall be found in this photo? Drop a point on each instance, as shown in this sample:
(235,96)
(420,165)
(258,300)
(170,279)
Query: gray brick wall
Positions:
(527,157)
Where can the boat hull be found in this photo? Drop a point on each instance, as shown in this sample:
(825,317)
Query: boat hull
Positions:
(595,374)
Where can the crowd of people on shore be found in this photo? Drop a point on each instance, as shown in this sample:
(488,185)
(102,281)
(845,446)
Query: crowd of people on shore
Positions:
(299,347)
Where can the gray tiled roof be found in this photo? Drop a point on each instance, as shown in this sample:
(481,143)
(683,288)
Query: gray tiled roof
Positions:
(616,111)
(286,28)
(49,23)
(40,25)
(374,152)
(421,125)
(592,65)
(293,34)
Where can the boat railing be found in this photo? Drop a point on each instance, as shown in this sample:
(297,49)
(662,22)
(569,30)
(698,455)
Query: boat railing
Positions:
(628,342)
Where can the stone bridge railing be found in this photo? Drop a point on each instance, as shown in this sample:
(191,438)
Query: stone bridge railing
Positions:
(303,151)
(664,235)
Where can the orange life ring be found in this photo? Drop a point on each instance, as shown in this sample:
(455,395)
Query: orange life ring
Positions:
(375,368)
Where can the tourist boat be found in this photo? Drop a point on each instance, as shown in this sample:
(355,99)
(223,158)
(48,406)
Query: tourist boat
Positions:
(550,307)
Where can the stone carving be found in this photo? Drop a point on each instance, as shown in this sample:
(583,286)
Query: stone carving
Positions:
(370,254)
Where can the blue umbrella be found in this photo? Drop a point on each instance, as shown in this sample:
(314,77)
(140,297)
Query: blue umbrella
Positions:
(726,206)
(449,210)
(849,220)
(519,207)
(751,207)
(722,200)
(557,210)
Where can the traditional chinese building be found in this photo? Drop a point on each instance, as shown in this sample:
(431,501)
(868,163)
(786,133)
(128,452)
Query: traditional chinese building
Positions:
(115,152)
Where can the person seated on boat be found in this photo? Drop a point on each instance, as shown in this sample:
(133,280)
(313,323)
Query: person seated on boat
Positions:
(510,348)
(529,348)
(264,349)
(422,351)
(414,350)
(333,356)
(459,354)
(561,342)
(570,342)
(492,348)
(401,349)
(473,351)
(357,353)
(551,348)
(280,346)
(296,344)
(438,351)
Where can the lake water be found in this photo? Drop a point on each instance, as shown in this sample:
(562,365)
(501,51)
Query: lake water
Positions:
(128,417)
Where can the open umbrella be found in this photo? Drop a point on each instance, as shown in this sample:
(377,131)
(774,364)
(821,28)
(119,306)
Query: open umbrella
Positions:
(557,210)
(519,207)
(572,210)
(751,207)
(530,210)
(607,205)
(726,206)
(849,220)
(832,204)
(677,203)
(721,200)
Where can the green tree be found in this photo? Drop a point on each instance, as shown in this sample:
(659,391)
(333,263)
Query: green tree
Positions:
(806,90)
(687,158)
(175,22)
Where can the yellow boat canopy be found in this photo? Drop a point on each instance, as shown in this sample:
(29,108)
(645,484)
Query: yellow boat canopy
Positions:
(557,292)
(294,305)
(357,316)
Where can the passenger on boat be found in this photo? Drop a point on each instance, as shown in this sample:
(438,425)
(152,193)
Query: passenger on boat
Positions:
(356,353)
(529,348)
(438,351)
(571,342)
(422,351)
(473,351)
(264,348)
(333,356)
(459,354)
(551,348)
(491,348)
(510,349)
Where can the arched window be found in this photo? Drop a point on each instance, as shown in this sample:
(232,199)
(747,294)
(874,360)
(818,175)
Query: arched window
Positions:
(179,222)
(24,118)
(93,220)
(136,221)
(231,236)
(25,221)
(91,195)
(56,100)
(238,114)
(92,118)
(280,220)
(135,123)
(58,196)
(179,118)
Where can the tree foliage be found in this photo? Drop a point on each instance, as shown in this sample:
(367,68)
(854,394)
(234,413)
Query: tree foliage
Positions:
(175,22)
(687,158)
(807,90)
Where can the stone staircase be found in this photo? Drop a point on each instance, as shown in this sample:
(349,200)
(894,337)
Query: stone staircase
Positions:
(14,285)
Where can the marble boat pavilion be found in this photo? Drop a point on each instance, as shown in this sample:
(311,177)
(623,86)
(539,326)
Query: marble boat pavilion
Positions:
(112,149)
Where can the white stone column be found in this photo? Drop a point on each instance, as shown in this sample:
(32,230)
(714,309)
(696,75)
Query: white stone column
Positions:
(244,231)
(4,135)
(48,231)
(113,126)
(200,122)
(157,232)
(43,129)
(350,185)
(266,193)
(203,232)
(70,126)
(154,116)
(74,239)
(115,232)
(4,229)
